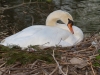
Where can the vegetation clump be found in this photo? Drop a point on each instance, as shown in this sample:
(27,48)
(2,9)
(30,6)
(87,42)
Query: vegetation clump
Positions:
(15,54)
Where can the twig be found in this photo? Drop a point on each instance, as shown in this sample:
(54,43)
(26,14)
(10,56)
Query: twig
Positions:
(92,67)
(80,51)
(9,72)
(34,64)
(32,19)
(44,71)
(86,73)
(20,5)
(54,70)
(75,72)
(67,71)
(58,64)
(38,5)
(59,41)
(93,56)
(20,69)
(36,73)
(67,63)
(2,64)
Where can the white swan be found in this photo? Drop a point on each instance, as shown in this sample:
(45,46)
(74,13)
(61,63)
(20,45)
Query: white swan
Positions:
(50,35)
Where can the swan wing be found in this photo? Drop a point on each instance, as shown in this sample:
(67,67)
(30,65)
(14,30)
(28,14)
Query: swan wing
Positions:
(38,35)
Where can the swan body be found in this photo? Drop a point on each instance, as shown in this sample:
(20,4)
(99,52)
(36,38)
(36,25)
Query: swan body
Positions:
(52,34)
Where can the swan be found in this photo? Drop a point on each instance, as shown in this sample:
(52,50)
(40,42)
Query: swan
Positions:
(53,34)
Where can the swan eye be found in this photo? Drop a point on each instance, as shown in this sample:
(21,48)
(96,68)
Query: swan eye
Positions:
(70,22)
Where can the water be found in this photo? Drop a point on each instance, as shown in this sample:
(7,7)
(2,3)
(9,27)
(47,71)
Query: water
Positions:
(86,14)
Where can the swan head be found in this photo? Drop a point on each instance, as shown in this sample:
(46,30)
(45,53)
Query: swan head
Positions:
(64,16)
(70,24)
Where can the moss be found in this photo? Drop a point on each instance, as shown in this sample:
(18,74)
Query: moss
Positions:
(99,51)
(15,54)
(98,57)
(27,57)
(3,48)
(96,63)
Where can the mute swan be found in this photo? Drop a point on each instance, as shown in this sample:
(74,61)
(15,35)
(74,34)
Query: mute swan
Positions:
(52,34)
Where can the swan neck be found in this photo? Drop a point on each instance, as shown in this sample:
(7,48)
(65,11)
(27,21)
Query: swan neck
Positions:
(51,22)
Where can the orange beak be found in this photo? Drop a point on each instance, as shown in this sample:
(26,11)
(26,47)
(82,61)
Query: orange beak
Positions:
(70,28)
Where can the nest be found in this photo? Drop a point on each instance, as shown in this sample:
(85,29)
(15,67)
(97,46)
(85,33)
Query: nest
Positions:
(82,59)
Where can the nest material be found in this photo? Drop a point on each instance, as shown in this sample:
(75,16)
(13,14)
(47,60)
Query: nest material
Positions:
(76,60)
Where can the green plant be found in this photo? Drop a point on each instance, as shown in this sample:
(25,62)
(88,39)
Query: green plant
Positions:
(97,61)
(15,54)
(98,57)
(99,50)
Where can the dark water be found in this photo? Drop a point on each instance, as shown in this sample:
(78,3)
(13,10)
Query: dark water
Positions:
(86,14)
